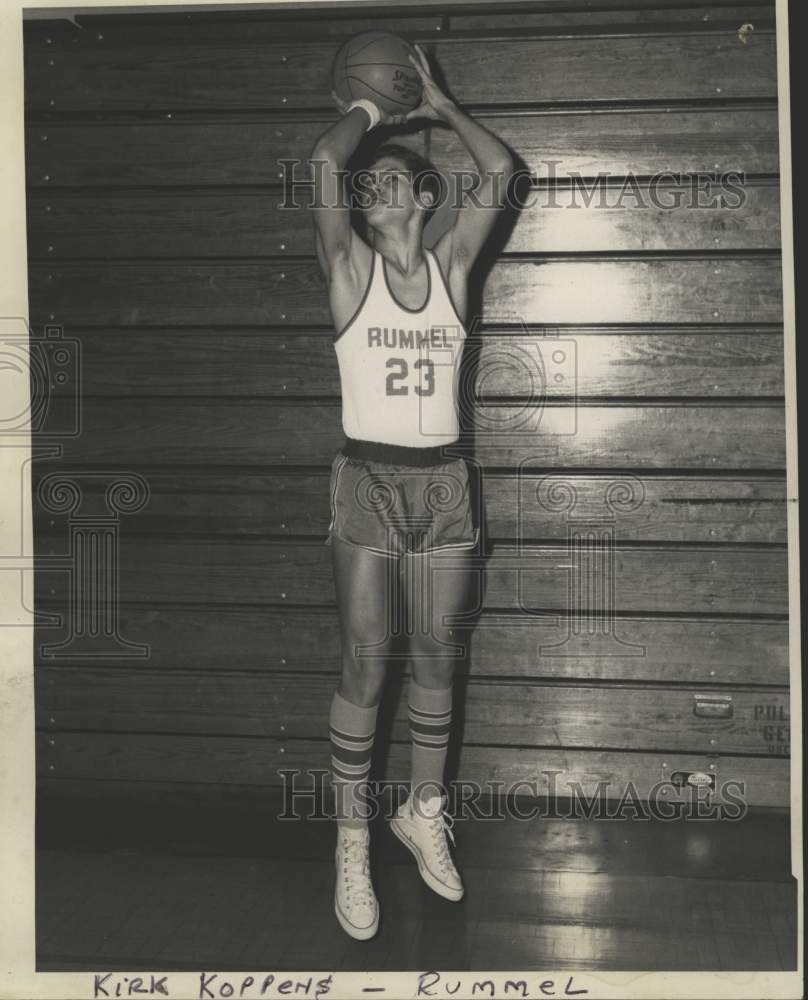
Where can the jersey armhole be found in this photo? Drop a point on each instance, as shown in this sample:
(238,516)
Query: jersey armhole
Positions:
(363,299)
(446,288)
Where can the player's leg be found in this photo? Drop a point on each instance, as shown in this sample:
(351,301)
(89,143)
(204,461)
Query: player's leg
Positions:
(437,587)
(365,585)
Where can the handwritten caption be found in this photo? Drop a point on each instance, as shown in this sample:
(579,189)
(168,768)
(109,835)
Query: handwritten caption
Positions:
(214,986)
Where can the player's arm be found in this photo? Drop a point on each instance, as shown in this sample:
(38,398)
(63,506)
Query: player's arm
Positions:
(334,236)
(494,163)
(478,214)
(333,233)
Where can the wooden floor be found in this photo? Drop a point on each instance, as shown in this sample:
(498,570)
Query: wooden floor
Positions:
(209,879)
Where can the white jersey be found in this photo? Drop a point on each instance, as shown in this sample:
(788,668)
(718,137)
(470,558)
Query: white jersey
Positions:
(399,367)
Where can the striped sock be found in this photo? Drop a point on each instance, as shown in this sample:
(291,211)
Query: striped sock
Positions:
(352,729)
(430,716)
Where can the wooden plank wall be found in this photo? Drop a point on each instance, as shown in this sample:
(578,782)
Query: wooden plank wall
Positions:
(156,241)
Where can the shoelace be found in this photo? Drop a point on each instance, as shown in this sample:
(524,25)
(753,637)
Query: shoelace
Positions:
(441,827)
(355,867)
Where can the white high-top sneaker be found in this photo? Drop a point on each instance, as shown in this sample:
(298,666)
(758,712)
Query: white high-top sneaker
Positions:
(355,902)
(423,829)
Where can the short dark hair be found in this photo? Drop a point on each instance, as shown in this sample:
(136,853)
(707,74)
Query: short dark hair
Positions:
(425,175)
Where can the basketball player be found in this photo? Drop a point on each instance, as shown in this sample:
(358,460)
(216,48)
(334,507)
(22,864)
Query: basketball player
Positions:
(397,495)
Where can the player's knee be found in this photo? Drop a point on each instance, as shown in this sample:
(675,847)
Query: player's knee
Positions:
(435,674)
(439,640)
(362,683)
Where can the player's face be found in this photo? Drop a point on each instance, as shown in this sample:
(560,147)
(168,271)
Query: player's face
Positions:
(390,191)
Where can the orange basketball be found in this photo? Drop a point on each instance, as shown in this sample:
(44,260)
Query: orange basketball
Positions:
(375,66)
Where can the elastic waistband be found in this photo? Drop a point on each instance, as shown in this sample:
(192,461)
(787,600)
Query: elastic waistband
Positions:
(397,454)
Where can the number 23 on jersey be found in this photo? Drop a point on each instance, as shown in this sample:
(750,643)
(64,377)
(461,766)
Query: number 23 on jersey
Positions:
(397,379)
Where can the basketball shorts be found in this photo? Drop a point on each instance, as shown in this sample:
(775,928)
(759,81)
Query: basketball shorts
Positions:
(395,507)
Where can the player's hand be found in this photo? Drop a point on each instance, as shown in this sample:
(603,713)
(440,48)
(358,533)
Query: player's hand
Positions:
(434,103)
(386,117)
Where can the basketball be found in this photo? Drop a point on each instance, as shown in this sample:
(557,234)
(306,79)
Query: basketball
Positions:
(375,66)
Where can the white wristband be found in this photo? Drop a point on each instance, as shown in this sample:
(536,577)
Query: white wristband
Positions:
(372,110)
